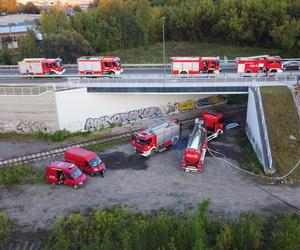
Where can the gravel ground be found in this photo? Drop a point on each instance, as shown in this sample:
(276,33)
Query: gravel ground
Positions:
(144,184)
(148,184)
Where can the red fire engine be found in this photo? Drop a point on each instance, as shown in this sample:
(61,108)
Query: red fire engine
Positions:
(205,129)
(41,66)
(155,139)
(195,65)
(106,65)
(257,64)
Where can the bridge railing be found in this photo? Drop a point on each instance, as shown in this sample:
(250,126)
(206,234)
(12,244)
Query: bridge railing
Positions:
(180,82)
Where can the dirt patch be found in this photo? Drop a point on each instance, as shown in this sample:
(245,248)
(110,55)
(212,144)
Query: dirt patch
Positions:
(118,160)
(146,185)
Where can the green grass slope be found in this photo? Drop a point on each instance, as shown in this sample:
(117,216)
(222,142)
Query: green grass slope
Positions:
(283,127)
(154,53)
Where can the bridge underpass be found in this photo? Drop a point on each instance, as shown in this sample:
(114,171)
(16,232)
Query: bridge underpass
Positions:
(82,103)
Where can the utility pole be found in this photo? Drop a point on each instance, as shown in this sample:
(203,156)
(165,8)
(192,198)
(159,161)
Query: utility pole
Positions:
(164,50)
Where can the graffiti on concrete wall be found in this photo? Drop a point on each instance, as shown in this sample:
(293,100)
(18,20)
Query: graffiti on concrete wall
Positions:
(31,127)
(121,118)
(152,112)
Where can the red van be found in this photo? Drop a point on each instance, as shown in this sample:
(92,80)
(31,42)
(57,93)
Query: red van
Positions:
(86,160)
(59,172)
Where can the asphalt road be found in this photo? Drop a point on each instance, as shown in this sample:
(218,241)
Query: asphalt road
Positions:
(128,73)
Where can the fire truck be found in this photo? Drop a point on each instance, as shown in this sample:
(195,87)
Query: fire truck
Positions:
(195,65)
(257,64)
(101,65)
(41,66)
(156,138)
(205,129)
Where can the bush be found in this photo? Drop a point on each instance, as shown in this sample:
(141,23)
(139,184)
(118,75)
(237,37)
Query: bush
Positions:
(15,174)
(12,175)
(117,228)
(3,230)
(287,233)
(60,135)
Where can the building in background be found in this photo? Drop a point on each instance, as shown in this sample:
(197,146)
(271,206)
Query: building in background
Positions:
(13,27)
(8,6)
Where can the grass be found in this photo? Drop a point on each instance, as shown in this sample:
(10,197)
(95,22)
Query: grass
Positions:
(250,161)
(154,53)
(283,122)
(237,99)
(104,146)
(119,228)
(13,175)
(3,230)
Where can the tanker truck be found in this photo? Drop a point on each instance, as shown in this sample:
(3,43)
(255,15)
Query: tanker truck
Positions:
(209,127)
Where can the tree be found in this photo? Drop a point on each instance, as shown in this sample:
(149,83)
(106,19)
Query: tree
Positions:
(28,8)
(287,36)
(142,20)
(28,46)
(54,22)
(68,45)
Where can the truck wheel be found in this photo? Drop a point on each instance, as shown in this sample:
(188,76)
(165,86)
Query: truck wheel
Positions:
(152,152)
(75,186)
(92,174)
(112,73)
(102,174)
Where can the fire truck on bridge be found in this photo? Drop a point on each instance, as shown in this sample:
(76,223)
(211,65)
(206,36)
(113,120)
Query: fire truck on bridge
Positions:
(101,65)
(257,64)
(41,66)
(195,65)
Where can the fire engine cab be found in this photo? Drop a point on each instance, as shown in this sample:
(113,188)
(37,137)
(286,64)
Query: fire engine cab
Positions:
(41,66)
(101,65)
(195,65)
(156,138)
(257,64)
(205,129)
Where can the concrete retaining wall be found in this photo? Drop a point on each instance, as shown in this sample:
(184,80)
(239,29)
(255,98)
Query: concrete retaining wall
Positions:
(27,114)
(77,109)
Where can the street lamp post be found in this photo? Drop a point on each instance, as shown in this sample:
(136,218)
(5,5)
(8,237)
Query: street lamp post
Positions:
(164,47)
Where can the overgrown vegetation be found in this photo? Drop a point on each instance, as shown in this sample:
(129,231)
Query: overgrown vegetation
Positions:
(237,99)
(3,230)
(154,54)
(283,128)
(19,174)
(117,228)
(249,161)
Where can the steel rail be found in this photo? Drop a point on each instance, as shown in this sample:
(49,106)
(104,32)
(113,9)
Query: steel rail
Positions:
(106,139)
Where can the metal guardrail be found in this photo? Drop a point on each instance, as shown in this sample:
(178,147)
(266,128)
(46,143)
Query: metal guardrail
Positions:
(146,85)
(181,82)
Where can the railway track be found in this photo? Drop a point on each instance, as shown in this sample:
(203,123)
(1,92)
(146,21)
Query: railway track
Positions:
(107,139)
